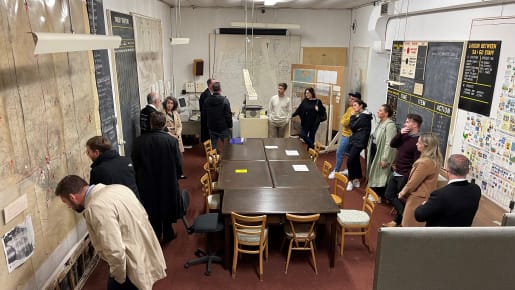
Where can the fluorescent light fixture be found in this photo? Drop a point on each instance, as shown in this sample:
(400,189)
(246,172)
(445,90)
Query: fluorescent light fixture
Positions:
(265,25)
(179,40)
(270,2)
(67,42)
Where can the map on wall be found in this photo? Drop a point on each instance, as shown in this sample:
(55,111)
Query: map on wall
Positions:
(268,59)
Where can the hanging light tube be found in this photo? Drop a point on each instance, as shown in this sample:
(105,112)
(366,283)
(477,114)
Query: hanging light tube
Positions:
(47,42)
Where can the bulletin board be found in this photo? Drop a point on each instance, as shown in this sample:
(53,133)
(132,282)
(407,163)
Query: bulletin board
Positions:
(489,139)
(423,80)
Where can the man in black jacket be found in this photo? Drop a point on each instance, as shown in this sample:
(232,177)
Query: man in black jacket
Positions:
(454,205)
(158,165)
(108,166)
(204,131)
(219,116)
(153,103)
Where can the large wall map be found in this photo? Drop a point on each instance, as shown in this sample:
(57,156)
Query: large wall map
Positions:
(268,59)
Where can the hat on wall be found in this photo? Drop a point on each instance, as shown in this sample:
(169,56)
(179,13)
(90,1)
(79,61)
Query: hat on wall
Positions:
(355,95)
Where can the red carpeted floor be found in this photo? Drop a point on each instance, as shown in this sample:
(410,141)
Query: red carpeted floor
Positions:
(353,270)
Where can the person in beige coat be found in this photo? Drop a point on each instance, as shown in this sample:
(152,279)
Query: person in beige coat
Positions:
(422,179)
(173,120)
(119,230)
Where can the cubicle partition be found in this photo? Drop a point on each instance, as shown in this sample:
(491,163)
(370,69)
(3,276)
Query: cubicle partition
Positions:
(475,258)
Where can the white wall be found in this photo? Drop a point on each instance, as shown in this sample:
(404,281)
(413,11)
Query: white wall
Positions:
(323,28)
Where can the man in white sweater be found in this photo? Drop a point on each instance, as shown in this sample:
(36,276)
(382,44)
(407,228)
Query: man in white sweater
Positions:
(279,113)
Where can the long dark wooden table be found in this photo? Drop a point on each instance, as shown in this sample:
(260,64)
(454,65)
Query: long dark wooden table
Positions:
(282,145)
(244,175)
(283,175)
(275,203)
(251,149)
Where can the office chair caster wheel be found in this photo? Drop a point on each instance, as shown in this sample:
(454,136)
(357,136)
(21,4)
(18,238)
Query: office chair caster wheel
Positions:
(207,273)
(199,253)
(186,265)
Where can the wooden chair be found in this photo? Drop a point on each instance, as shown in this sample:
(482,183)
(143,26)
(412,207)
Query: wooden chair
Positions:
(301,232)
(313,154)
(360,220)
(213,176)
(208,146)
(340,186)
(318,147)
(213,200)
(326,170)
(250,237)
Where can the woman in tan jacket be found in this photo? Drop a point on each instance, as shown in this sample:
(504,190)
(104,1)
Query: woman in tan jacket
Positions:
(173,122)
(422,179)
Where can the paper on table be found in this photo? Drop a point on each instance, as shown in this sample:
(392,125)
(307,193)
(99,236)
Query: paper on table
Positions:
(271,147)
(300,167)
(292,152)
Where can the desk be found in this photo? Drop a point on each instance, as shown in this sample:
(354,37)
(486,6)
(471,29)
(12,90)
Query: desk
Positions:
(275,203)
(251,149)
(282,145)
(283,175)
(257,175)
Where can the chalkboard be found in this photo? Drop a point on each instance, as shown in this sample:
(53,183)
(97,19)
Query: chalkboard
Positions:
(425,77)
(127,77)
(103,75)
(479,72)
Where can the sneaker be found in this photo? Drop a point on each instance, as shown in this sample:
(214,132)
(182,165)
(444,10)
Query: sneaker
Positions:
(331,175)
(349,186)
(356,183)
(345,172)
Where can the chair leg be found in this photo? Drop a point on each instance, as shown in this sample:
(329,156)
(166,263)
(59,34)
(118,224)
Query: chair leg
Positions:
(342,240)
(314,257)
(261,264)
(366,240)
(289,255)
(234,263)
(266,249)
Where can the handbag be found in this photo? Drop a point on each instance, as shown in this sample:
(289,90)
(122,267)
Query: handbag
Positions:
(322,114)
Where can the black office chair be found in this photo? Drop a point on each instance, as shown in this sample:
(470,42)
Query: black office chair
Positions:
(208,223)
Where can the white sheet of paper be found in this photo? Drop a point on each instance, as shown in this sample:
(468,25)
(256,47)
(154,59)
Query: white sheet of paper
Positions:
(271,147)
(300,167)
(292,152)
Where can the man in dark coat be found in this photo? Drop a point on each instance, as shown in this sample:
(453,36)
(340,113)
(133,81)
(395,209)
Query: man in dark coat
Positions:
(455,204)
(204,131)
(157,161)
(108,166)
(153,103)
(219,116)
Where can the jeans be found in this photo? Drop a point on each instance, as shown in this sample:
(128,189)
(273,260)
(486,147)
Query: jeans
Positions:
(127,285)
(393,187)
(308,135)
(222,135)
(343,147)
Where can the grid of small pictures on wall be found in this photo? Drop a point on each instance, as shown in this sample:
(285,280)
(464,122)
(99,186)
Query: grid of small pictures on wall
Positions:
(77,269)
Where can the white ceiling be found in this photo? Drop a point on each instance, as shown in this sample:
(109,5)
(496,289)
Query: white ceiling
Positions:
(299,4)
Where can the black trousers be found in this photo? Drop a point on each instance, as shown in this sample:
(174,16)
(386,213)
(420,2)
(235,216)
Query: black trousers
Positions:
(394,186)
(162,227)
(127,285)
(354,163)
